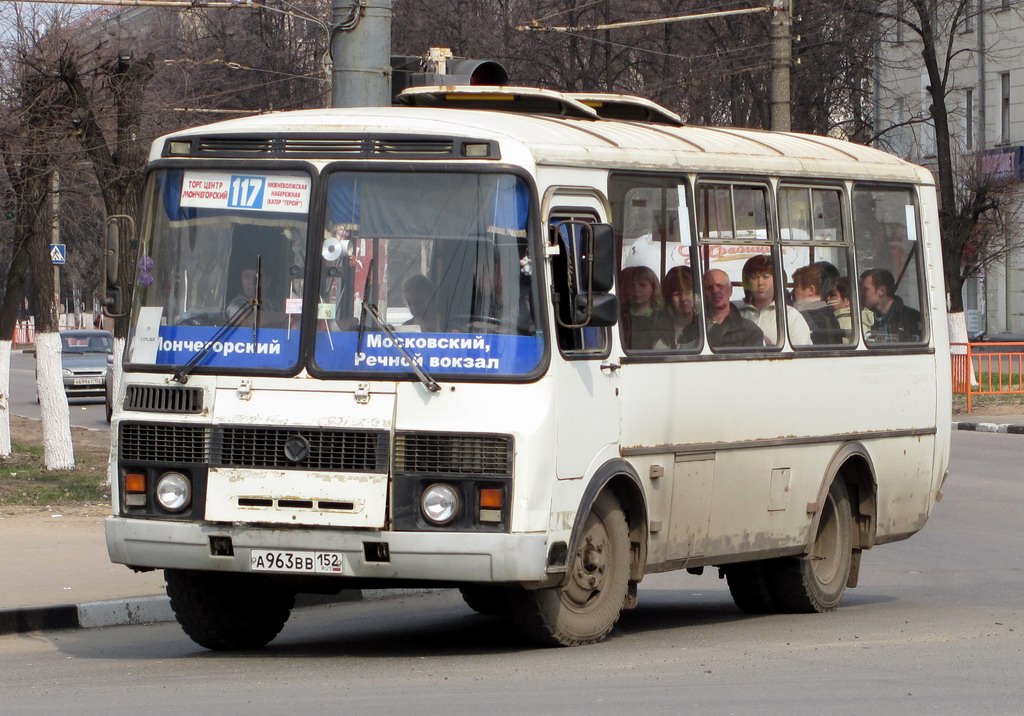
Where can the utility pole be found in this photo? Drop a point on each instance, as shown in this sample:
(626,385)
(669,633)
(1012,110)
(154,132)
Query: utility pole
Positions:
(55,237)
(782,59)
(361,53)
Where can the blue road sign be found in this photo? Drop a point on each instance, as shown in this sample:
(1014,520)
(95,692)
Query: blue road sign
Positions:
(58,254)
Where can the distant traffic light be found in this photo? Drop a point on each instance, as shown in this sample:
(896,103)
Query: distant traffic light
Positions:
(413,71)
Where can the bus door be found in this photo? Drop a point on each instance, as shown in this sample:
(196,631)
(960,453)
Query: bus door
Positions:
(587,381)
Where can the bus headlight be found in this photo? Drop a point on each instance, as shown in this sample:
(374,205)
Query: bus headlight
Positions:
(439,504)
(173,491)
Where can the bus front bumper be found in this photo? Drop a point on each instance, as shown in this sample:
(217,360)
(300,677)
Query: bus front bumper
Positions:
(428,556)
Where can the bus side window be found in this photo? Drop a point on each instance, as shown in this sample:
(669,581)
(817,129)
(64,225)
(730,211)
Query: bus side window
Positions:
(740,280)
(816,258)
(885,235)
(659,291)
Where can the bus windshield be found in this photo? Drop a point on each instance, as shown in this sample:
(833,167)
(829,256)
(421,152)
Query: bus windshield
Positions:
(439,264)
(446,256)
(219,279)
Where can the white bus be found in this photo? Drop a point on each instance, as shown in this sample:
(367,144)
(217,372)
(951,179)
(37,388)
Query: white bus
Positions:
(523,343)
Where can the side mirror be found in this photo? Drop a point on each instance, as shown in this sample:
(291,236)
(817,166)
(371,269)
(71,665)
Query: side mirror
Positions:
(596,309)
(597,259)
(117,227)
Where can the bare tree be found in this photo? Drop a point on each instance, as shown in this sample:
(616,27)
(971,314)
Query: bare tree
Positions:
(29,162)
(979,218)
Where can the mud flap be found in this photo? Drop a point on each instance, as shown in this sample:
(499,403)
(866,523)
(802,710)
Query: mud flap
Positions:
(851,581)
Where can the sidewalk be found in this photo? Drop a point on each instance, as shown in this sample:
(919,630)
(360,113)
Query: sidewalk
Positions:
(55,574)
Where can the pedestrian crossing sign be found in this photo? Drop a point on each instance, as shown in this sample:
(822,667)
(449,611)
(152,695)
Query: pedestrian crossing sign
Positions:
(58,254)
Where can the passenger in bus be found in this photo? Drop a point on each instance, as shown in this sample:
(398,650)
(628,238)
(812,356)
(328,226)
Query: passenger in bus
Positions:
(727,328)
(645,322)
(759,303)
(807,298)
(840,302)
(419,294)
(829,276)
(895,322)
(677,292)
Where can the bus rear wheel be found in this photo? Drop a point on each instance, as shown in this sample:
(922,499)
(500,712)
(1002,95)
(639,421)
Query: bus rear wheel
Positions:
(584,609)
(227,612)
(816,581)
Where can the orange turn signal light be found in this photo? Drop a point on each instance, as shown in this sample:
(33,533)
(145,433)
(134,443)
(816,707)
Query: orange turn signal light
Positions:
(492,497)
(134,482)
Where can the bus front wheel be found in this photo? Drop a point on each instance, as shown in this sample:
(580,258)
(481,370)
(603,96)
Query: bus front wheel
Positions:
(223,612)
(816,581)
(587,605)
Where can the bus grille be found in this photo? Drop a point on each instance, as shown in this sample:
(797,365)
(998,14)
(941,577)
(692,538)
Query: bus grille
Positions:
(163,399)
(439,454)
(151,442)
(255,447)
(300,448)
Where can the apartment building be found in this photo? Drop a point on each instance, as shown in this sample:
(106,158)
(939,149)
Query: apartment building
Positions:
(986,99)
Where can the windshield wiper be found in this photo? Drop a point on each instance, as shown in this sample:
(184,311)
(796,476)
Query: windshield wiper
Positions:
(432,385)
(251,305)
(182,374)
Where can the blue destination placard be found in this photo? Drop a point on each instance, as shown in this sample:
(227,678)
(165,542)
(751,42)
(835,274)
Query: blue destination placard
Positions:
(436,353)
(278,349)
(273,348)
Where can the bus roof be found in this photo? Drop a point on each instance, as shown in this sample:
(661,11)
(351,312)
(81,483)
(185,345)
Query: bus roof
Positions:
(549,138)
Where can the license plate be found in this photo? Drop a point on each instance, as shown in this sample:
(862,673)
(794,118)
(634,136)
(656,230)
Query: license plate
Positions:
(87,381)
(272,560)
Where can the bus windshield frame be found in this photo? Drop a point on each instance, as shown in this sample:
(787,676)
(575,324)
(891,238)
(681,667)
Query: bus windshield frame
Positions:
(276,285)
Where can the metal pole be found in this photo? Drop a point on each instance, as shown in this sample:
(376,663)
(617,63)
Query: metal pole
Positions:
(782,57)
(361,53)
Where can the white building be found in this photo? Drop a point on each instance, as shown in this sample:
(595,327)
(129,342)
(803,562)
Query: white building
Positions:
(986,101)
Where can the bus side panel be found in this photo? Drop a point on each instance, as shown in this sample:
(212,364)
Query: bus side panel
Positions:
(772,427)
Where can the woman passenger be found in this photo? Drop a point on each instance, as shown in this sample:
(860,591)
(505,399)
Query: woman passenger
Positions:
(645,322)
(677,292)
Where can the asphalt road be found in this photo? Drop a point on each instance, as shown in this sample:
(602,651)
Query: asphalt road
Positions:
(85,412)
(935,627)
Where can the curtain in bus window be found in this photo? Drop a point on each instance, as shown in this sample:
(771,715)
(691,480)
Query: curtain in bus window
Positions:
(342,199)
(510,206)
(428,205)
(170,189)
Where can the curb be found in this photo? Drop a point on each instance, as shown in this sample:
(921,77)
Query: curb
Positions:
(1009,428)
(148,610)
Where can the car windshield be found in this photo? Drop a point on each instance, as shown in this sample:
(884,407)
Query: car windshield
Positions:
(97,342)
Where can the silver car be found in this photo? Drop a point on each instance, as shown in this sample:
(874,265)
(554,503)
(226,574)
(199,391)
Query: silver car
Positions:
(83,357)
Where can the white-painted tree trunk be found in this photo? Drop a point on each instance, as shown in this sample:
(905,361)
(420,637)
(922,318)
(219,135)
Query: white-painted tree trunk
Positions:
(5,398)
(58,452)
(117,367)
(958,334)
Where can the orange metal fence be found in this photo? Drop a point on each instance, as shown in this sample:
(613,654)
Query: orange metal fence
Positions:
(988,369)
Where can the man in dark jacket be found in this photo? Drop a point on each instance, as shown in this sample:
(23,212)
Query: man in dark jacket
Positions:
(726,327)
(895,322)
